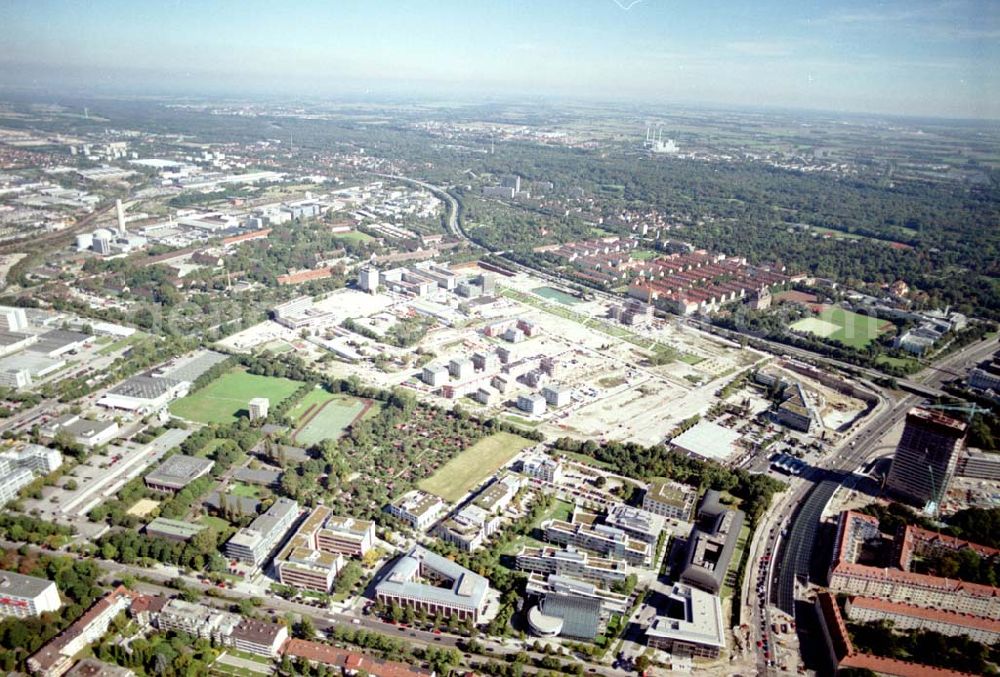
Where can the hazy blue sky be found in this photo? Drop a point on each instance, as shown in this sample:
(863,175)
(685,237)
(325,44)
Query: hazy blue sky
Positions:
(912,57)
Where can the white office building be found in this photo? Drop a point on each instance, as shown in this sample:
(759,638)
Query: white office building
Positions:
(24,596)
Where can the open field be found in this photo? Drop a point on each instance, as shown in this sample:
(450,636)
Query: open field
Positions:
(225,399)
(327,418)
(454,479)
(313,398)
(842,325)
(354,236)
(143,507)
(817,327)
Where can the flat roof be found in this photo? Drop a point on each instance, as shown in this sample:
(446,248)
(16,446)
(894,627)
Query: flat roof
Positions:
(669,492)
(190,368)
(144,387)
(708,440)
(58,339)
(13,583)
(701,622)
(179,470)
(35,363)
(10,338)
(417,502)
(178,528)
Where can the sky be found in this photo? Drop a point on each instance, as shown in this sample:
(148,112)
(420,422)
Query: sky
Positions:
(914,57)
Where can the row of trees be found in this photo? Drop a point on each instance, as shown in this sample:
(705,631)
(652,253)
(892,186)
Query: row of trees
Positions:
(634,460)
(979,525)
(77,583)
(200,553)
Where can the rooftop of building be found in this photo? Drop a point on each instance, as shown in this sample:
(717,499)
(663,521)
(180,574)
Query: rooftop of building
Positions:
(417,502)
(847,657)
(91,667)
(13,583)
(931,614)
(258,632)
(179,470)
(58,339)
(350,660)
(264,524)
(937,419)
(51,652)
(176,528)
(144,387)
(669,493)
(700,618)
(843,564)
(709,440)
(466,588)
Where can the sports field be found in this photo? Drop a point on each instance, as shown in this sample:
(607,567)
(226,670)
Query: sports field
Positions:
(321,415)
(454,479)
(225,399)
(842,325)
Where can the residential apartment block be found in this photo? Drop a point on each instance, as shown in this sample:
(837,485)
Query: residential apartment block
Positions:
(893,584)
(669,499)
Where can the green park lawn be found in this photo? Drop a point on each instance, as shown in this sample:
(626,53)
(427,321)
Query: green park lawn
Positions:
(456,477)
(838,324)
(225,399)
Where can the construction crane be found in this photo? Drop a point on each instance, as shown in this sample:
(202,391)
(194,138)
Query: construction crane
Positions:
(935,503)
(970,409)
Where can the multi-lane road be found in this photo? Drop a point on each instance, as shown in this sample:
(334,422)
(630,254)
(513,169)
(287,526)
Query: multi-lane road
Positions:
(785,536)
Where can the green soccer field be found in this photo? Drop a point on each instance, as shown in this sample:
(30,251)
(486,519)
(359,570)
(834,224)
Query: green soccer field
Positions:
(227,397)
(454,479)
(838,324)
(324,416)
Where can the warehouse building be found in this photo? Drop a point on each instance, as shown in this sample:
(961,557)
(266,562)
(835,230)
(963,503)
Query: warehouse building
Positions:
(144,394)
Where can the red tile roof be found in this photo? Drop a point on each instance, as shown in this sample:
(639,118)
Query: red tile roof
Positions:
(847,657)
(953,617)
(349,660)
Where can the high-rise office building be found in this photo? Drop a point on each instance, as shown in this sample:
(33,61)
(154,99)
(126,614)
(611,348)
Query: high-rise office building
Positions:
(925,459)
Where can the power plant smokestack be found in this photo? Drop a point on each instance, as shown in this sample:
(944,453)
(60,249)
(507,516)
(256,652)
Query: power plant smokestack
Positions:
(121,217)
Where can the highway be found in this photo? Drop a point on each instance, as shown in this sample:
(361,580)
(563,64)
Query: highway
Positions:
(800,508)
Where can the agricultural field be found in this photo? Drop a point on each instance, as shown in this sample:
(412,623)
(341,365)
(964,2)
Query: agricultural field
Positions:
(225,399)
(838,324)
(456,477)
(325,416)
